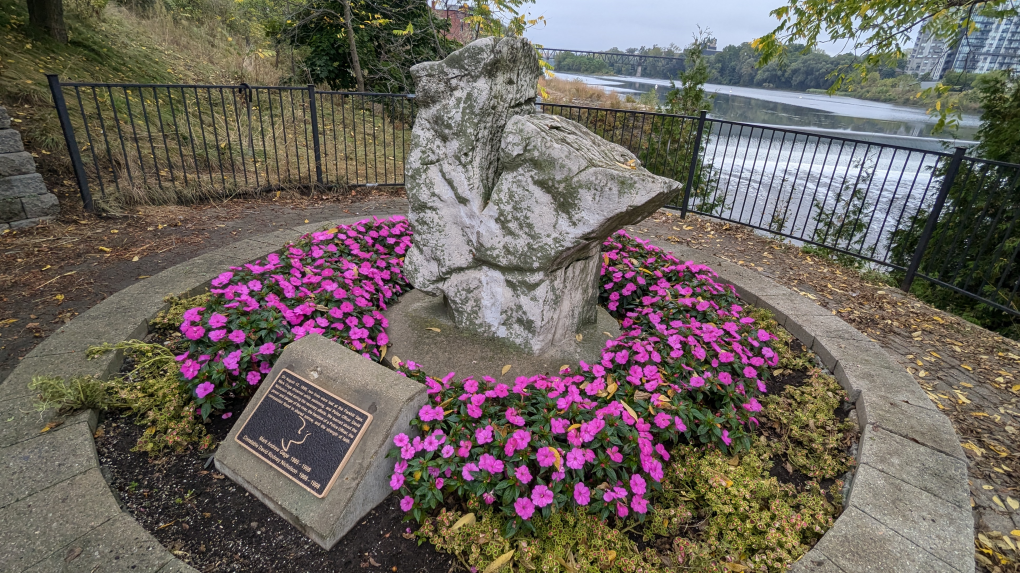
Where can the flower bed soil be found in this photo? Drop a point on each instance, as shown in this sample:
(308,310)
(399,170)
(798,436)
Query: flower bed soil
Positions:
(215,525)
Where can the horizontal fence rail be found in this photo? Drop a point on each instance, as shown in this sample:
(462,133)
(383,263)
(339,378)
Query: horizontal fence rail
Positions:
(951,220)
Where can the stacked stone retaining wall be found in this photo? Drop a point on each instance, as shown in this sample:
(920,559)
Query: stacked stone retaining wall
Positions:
(24,200)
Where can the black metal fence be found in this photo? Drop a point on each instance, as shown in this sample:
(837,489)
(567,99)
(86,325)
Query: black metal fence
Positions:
(946,218)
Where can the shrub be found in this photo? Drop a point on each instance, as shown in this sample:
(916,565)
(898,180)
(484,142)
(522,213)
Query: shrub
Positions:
(686,367)
(750,518)
(152,392)
(333,282)
(66,395)
(567,541)
(812,438)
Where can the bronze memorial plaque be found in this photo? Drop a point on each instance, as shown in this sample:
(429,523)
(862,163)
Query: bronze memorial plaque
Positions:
(304,431)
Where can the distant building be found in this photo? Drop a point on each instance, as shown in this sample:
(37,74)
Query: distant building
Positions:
(994,45)
(459,29)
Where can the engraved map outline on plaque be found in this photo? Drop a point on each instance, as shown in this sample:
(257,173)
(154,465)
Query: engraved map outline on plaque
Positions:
(301,437)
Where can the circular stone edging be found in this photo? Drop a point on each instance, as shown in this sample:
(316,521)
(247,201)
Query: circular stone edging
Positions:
(908,508)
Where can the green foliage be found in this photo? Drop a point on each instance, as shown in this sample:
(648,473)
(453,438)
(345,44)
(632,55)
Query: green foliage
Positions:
(789,359)
(70,395)
(167,322)
(675,135)
(813,440)
(878,30)
(973,243)
(153,393)
(565,542)
(390,38)
(751,518)
(567,62)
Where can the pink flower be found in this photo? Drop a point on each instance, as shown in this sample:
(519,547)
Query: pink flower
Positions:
(639,504)
(726,437)
(217,320)
(407,503)
(227,415)
(253,378)
(614,454)
(237,336)
(559,425)
(575,459)
(466,471)
(400,467)
(489,498)
(621,509)
(524,508)
(267,348)
(637,484)
(541,496)
(447,451)
(217,335)
(429,413)
(401,440)
(190,369)
(204,389)
(396,481)
(222,279)
(232,360)
(582,495)
(483,435)
(193,332)
(523,474)
(546,457)
(750,372)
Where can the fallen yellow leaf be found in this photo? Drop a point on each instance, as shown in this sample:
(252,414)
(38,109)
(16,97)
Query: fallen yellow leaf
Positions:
(468,519)
(433,329)
(1013,504)
(500,562)
(998,502)
(579,337)
(505,370)
(104,249)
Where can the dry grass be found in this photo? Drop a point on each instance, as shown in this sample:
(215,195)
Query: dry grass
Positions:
(576,92)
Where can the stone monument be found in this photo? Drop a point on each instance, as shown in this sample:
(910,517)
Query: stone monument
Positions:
(510,206)
(312,442)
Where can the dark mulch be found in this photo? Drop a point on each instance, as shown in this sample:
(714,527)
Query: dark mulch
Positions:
(215,525)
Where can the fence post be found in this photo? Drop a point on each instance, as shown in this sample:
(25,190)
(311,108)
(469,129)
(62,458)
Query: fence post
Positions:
(933,218)
(72,146)
(694,165)
(315,135)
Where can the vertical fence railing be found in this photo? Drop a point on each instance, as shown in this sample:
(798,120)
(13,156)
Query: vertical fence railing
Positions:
(164,143)
(951,220)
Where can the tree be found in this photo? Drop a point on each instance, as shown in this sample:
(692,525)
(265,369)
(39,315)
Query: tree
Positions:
(975,243)
(877,31)
(368,44)
(48,16)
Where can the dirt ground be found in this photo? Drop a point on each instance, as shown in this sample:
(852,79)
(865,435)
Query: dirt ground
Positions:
(972,375)
(51,273)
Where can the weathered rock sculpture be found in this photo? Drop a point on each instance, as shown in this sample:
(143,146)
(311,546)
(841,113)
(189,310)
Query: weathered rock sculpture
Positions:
(510,206)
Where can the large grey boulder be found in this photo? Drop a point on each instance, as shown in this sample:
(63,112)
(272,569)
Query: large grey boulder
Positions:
(510,207)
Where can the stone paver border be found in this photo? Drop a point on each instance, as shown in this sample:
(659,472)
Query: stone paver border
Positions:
(908,508)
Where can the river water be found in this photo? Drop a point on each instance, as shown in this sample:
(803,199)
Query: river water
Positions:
(797,109)
(844,185)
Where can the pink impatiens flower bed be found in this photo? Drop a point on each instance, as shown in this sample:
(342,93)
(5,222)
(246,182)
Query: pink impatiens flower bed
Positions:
(334,283)
(687,367)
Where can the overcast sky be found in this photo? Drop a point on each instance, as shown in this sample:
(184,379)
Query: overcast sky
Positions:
(602,24)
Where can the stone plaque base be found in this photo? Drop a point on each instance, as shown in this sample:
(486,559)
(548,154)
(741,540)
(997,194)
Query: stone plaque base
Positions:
(392,401)
(416,315)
